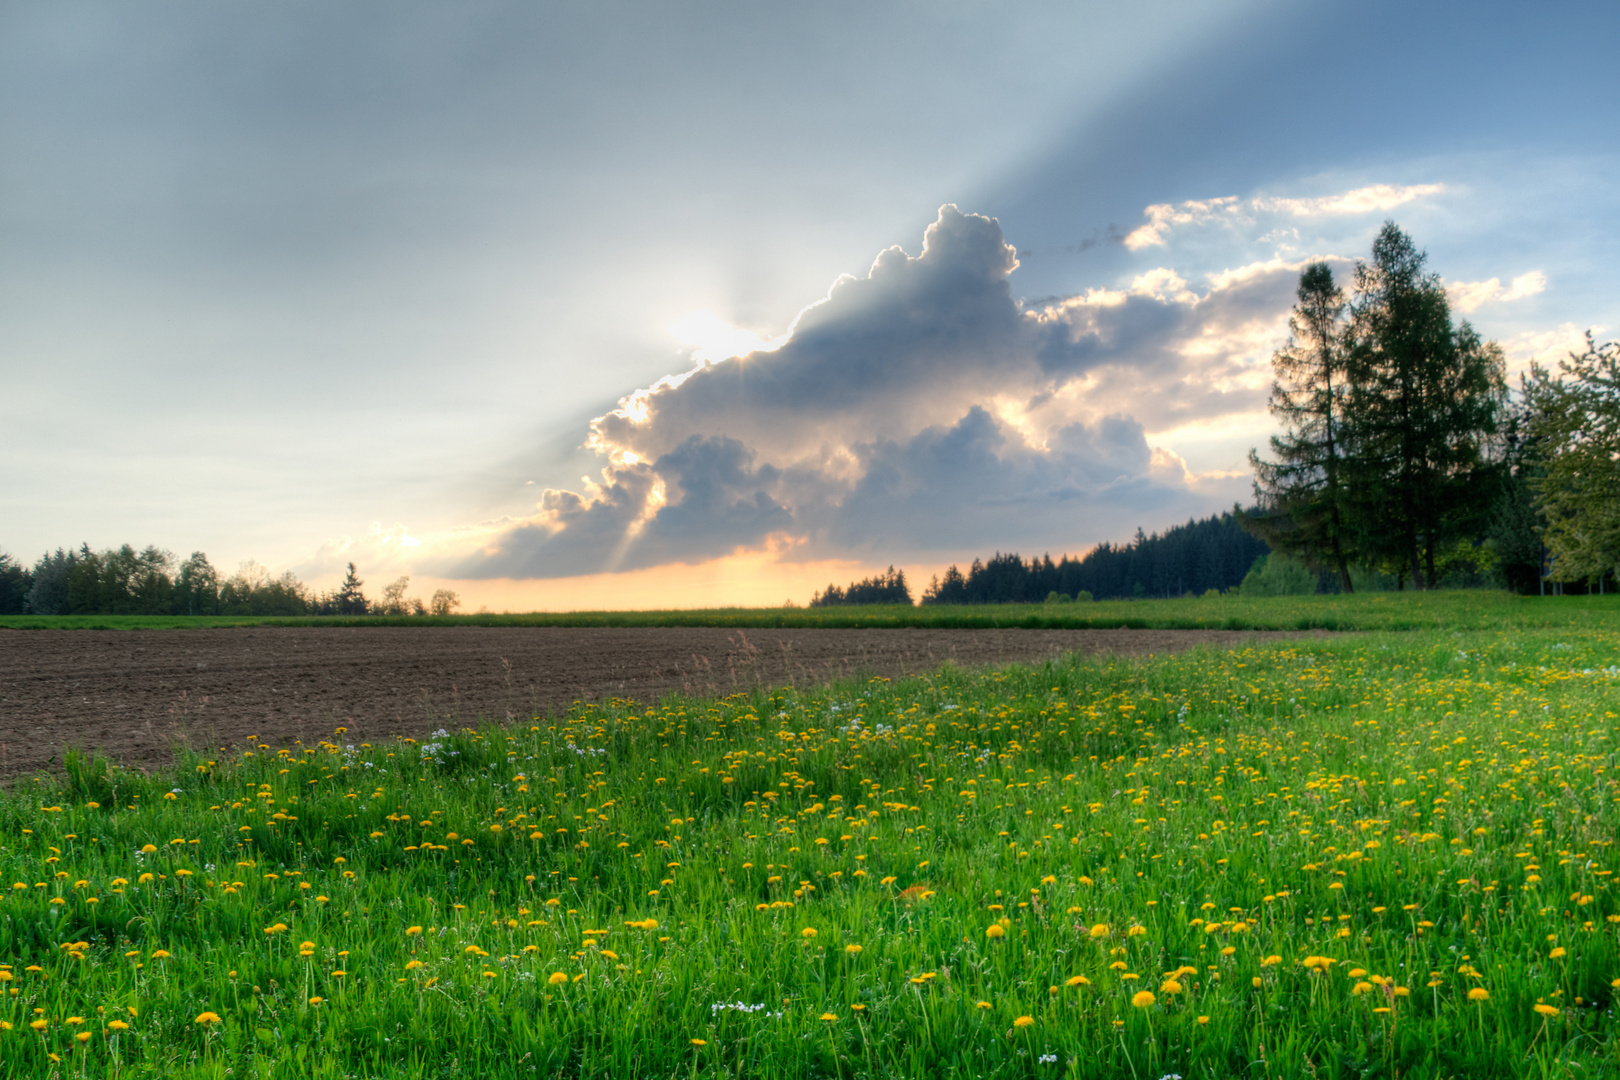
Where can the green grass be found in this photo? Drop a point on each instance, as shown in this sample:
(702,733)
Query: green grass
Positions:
(1460,609)
(1301,835)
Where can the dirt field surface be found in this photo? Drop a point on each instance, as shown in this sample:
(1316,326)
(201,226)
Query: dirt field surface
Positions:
(135,695)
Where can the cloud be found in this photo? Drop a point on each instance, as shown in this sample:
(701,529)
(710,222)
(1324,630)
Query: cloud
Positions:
(918,411)
(1545,347)
(1164,218)
(1466,296)
(1374,199)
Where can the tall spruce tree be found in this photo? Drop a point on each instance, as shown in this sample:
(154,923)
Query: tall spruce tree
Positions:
(1423,406)
(1299,495)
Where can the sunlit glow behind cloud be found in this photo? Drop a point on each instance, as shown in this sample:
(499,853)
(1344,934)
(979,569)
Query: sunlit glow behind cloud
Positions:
(922,414)
(711,338)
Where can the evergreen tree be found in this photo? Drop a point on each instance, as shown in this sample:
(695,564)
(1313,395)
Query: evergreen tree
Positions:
(1299,495)
(1517,527)
(349,599)
(1423,405)
(15,581)
(48,595)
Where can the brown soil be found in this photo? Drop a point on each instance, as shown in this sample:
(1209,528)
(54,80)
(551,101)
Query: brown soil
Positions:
(134,695)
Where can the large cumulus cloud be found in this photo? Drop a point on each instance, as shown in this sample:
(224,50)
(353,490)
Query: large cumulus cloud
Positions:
(919,410)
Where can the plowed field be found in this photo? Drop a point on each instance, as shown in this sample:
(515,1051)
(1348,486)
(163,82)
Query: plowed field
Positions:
(136,695)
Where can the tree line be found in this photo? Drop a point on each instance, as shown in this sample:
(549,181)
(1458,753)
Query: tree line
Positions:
(124,581)
(885,588)
(1213,553)
(1403,455)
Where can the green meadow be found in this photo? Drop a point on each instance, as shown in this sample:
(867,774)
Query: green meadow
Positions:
(1389,854)
(1456,610)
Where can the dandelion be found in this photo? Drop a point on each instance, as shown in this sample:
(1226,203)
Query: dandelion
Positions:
(1170,987)
(1023,1022)
(994,931)
(557,978)
(1143,998)
(852,949)
(1203,1020)
(829,1016)
(117,1025)
(1100,930)
(1077,980)
(207,1018)
(1557,954)
(808,932)
(83,1036)
(1479,993)
(700,1042)
(1546,1010)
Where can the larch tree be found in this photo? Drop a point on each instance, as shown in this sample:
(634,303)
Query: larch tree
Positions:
(1299,494)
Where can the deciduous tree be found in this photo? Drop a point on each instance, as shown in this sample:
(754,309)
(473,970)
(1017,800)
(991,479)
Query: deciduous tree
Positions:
(1574,422)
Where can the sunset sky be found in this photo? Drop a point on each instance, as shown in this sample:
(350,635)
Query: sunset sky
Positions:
(672,304)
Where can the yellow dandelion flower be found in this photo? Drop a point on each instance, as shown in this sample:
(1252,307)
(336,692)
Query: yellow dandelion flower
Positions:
(117,1025)
(1077,980)
(1479,993)
(1100,930)
(1203,1019)
(1024,1022)
(700,1042)
(1143,998)
(207,1018)
(1557,954)
(808,932)
(982,1004)
(1546,1010)
(83,1036)
(1170,987)
(557,979)
(828,1016)
(852,949)
(994,931)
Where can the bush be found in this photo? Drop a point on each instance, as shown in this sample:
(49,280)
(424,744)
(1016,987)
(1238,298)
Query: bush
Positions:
(1278,575)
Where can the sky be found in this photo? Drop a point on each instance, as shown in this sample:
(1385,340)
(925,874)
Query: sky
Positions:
(620,305)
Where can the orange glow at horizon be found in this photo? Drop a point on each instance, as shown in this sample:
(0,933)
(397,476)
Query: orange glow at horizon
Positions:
(744,579)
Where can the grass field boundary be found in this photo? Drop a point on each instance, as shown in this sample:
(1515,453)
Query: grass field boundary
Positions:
(1458,610)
